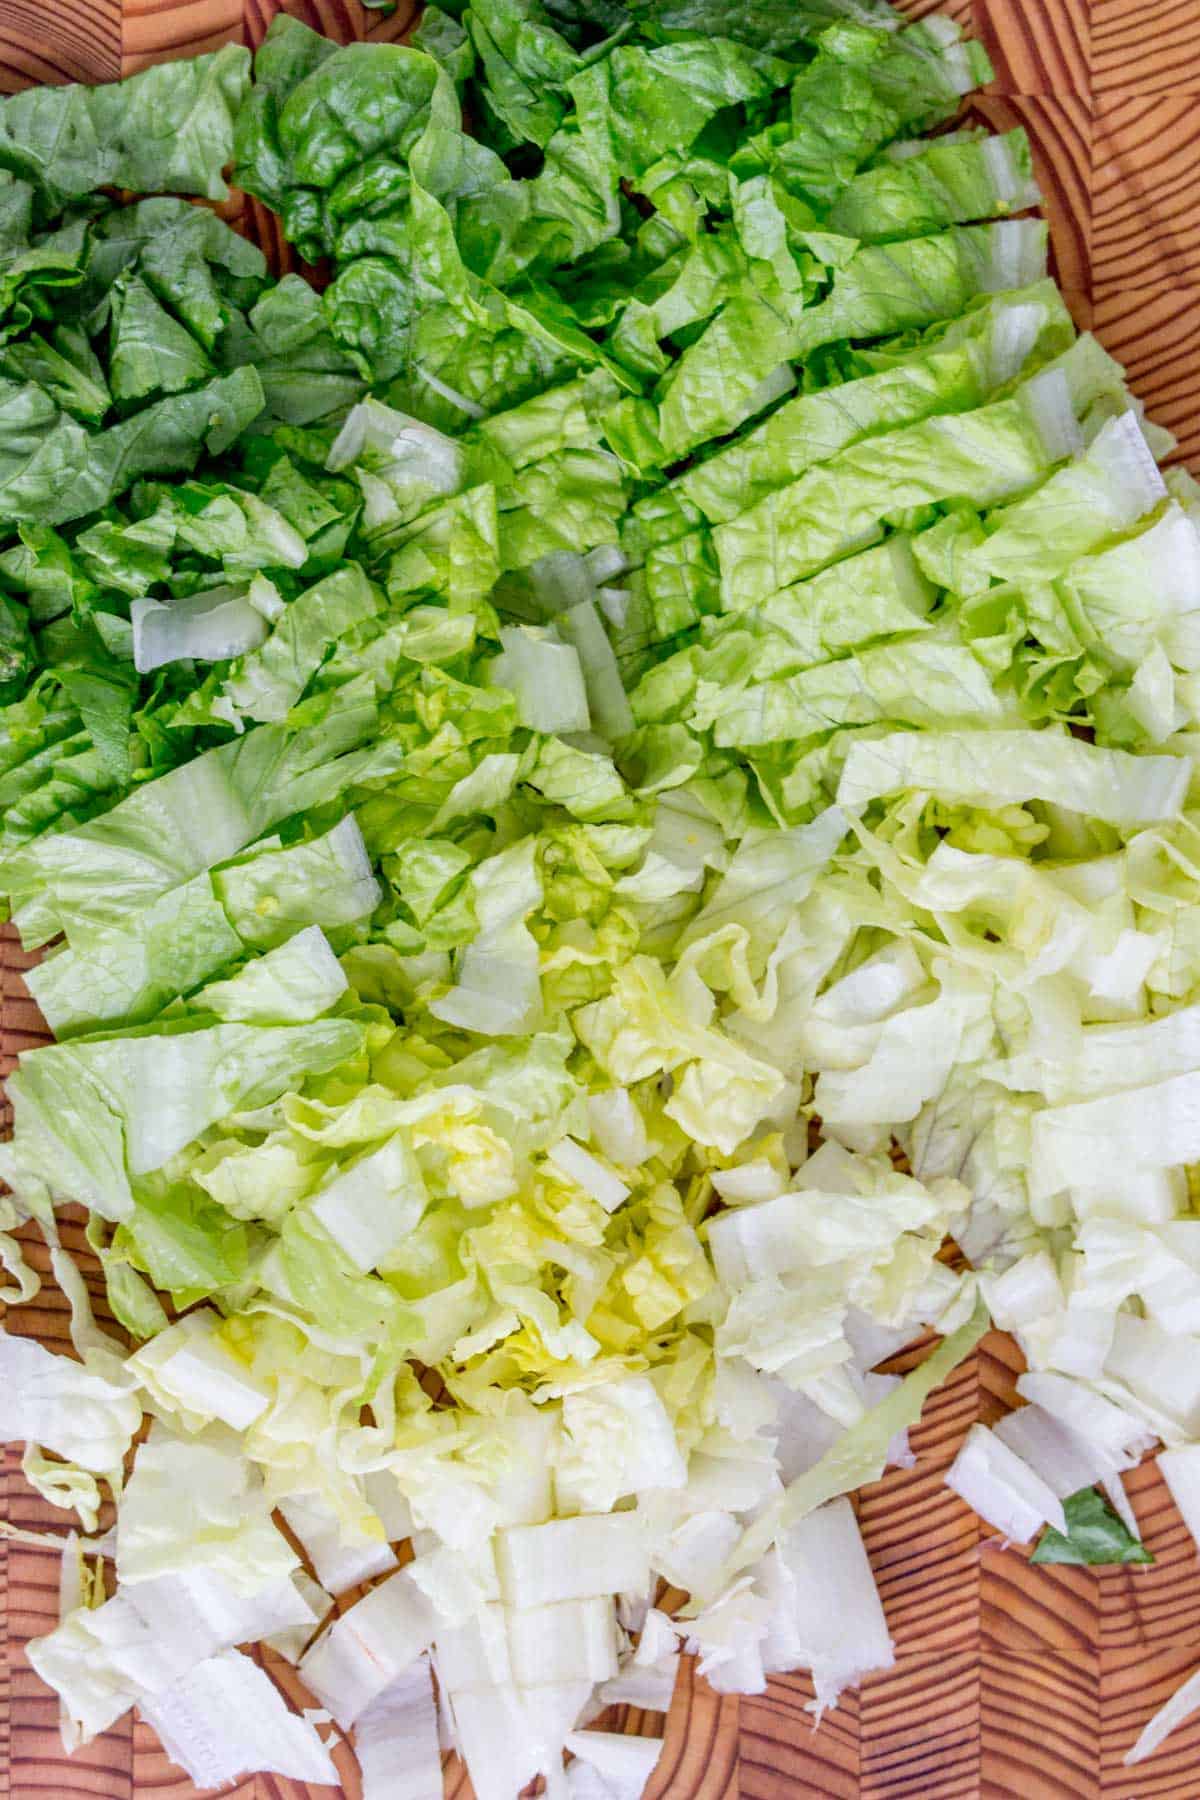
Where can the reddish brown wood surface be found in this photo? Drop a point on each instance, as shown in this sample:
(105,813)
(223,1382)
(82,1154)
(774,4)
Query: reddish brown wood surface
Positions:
(1011,1682)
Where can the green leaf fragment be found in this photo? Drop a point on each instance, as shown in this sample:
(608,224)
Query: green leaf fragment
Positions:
(1095,1536)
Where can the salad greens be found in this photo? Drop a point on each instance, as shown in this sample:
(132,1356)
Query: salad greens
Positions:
(1094,1535)
(595,789)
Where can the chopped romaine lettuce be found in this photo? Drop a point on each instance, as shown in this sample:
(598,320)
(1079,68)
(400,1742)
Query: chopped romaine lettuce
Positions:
(667,687)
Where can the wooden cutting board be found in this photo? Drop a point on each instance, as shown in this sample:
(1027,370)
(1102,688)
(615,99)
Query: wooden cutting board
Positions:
(1011,1682)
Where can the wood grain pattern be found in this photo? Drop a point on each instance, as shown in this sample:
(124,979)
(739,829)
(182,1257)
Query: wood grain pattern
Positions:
(82,42)
(1011,1682)
(1037,46)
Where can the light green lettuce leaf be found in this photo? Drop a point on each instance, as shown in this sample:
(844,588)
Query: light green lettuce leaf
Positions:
(171,829)
(585,782)
(1104,492)
(839,118)
(567,502)
(290,985)
(910,1061)
(267,681)
(716,382)
(123,977)
(947,184)
(497,990)
(890,288)
(126,977)
(644,1027)
(999,768)
(1141,590)
(769,872)
(862,88)
(562,417)
(310,1269)
(278,889)
(931,682)
(724,377)
(80,1119)
(991,453)
(927,68)
(452,550)
(878,594)
(992,343)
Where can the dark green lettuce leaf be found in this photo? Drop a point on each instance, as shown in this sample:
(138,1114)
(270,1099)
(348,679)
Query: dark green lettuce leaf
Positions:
(306,374)
(781,27)
(155,292)
(440,35)
(168,129)
(569,208)
(127,556)
(450,359)
(66,367)
(150,352)
(52,469)
(289,52)
(204,273)
(329,130)
(101,687)
(33,272)
(582,22)
(525,64)
(651,102)
(42,570)
(17,655)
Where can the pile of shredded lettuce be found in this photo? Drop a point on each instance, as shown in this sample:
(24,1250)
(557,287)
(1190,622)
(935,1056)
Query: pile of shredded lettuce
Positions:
(612,799)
